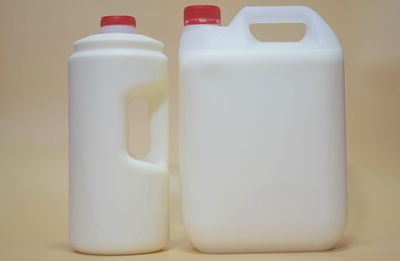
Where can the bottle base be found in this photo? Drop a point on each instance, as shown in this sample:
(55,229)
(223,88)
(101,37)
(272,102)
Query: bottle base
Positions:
(116,251)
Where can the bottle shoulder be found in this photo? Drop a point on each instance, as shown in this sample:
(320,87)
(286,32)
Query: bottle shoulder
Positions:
(118,40)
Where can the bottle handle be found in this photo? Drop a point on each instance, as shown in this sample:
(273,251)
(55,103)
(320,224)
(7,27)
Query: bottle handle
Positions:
(317,30)
(154,98)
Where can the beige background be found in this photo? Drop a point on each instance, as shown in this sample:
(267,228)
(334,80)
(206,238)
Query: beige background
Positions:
(36,39)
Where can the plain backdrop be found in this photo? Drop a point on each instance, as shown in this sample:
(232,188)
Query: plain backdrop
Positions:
(35,42)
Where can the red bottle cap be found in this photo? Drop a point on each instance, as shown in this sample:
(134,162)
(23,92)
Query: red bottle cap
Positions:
(118,20)
(202,14)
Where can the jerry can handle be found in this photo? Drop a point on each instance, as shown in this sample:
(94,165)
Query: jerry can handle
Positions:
(317,30)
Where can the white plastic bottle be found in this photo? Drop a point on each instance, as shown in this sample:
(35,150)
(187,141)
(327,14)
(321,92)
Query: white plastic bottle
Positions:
(118,202)
(262,148)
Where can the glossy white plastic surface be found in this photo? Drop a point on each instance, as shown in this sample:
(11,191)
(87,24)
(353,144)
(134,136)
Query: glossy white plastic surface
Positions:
(262,147)
(118,203)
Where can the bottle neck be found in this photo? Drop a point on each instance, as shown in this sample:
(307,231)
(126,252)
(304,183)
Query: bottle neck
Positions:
(118,29)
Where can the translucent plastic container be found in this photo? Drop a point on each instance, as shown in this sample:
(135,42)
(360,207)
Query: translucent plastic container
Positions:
(118,202)
(262,146)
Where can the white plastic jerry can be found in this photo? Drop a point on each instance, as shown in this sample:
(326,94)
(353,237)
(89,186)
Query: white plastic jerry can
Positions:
(262,148)
(118,201)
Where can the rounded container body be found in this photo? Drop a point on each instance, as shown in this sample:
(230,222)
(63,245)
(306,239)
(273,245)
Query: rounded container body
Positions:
(262,148)
(118,203)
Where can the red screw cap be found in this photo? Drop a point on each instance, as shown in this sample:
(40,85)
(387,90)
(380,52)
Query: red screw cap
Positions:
(118,20)
(202,14)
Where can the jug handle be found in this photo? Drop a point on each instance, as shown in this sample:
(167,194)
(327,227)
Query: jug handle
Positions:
(317,32)
(157,155)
